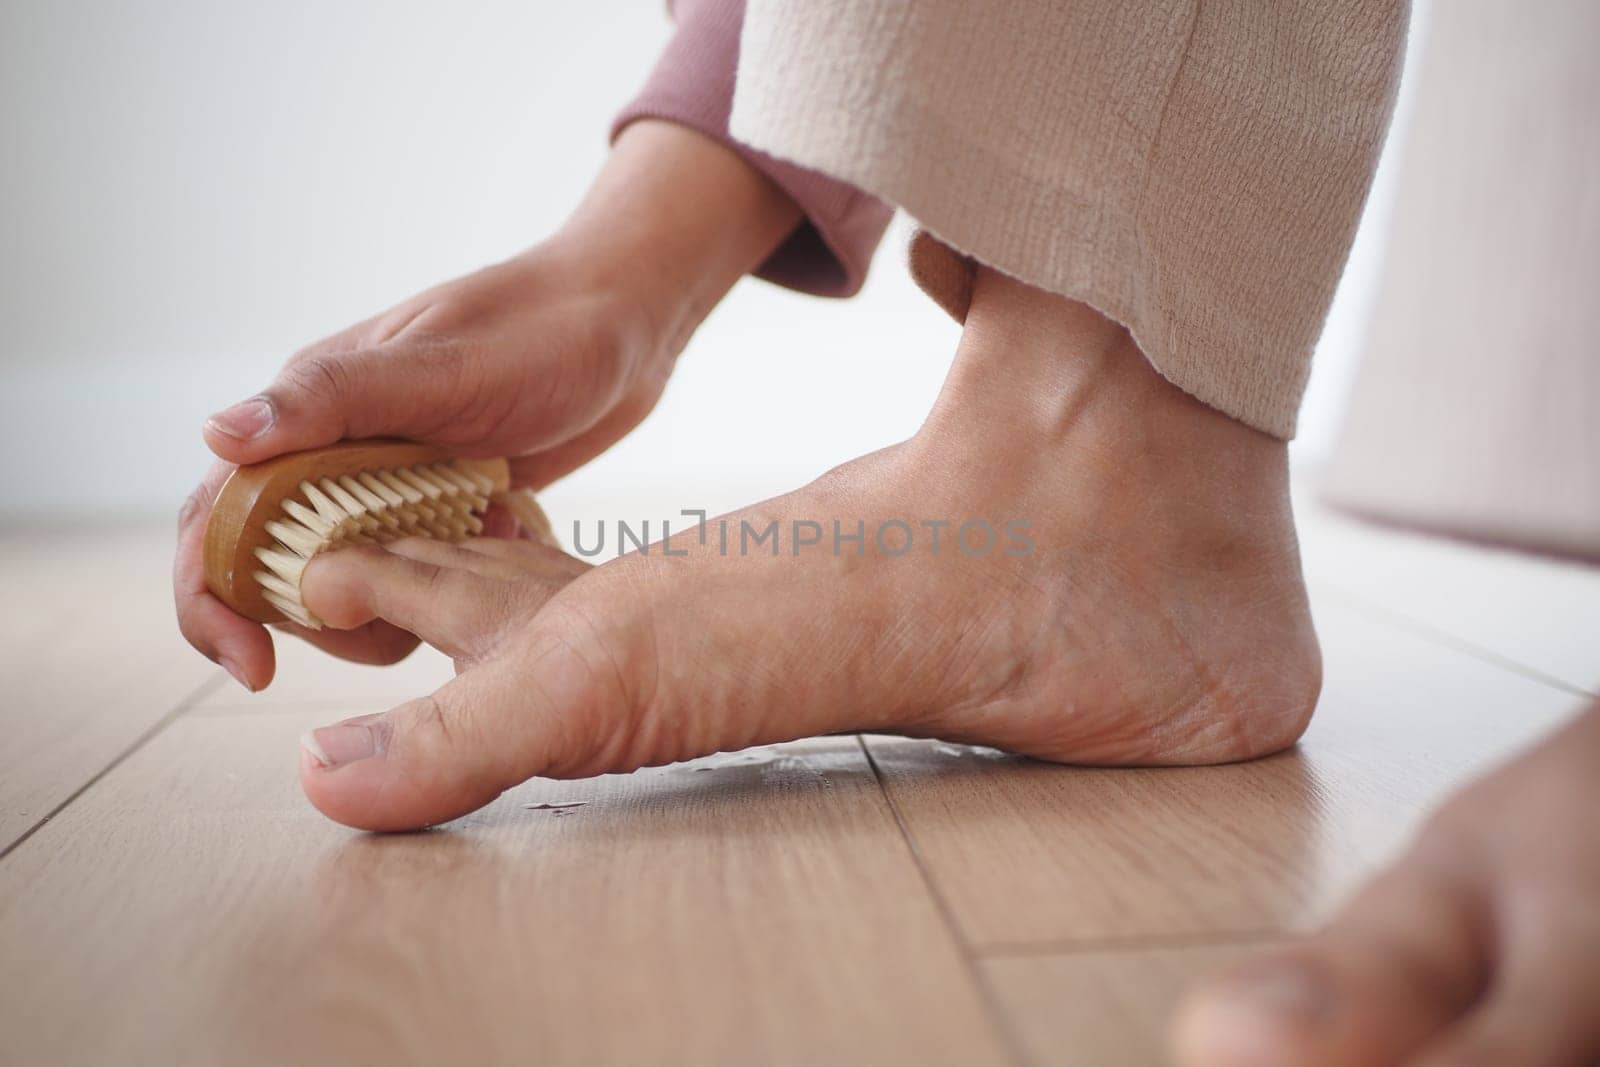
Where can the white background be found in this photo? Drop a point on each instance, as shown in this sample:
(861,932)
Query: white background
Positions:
(191,190)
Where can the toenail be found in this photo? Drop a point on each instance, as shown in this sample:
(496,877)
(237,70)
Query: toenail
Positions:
(335,746)
(1289,990)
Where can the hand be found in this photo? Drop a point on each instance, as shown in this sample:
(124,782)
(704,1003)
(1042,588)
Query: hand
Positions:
(548,358)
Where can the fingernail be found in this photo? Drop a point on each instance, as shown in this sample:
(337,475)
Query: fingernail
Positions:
(238,675)
(245,420)
(1288,990)
(335,746)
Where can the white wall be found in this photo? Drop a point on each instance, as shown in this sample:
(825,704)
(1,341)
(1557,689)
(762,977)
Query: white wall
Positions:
(189,191)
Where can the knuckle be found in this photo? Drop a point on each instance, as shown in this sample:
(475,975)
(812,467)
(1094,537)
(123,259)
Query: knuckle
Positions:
(440,731)
(429,578)
(322,375)
(588,680)
(430,717)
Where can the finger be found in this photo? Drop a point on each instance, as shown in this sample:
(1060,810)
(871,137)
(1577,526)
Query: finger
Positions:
(1405,958)
(326,396)
(548,709)
(422,389)
(242,647)
(454,610)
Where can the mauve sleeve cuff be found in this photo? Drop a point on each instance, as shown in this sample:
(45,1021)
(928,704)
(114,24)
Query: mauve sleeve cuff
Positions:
(692,85)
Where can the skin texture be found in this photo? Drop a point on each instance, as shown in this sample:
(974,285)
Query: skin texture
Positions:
(1479,947)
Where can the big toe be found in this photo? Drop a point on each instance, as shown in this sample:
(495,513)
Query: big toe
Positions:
(551,708)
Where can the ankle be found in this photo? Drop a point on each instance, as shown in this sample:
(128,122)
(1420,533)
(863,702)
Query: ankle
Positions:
(1051,377)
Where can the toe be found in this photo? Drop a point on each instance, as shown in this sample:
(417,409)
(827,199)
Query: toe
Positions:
(1402,961)
(553,706)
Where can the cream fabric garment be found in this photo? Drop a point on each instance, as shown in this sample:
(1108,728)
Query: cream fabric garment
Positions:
(1477,407)
(1193,170)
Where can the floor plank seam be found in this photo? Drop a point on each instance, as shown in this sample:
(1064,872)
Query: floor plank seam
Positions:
(199,693)
(1009,1039)
(1157,943)
(1430,632)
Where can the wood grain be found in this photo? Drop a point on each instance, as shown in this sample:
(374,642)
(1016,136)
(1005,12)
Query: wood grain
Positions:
(759,908)
(1101,1009)
(1031,853)
(188,906)
(1537,614)
(90,659)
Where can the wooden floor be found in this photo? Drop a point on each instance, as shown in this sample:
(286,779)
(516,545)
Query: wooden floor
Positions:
(167,895)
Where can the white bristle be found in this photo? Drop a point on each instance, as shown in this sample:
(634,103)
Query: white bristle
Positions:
(419,483)
(466,485)
(341,496)
(294,536)
(285,565)
(308,518)
(376,510)
(382,491)
(368,499)
(292,608)
(322,504)
(444,485)
(408,494)
(273,584)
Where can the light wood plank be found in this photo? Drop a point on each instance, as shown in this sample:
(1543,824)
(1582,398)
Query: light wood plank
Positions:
(756,908)
(90,657)
(1537,612)
(307,677)
(1100,1009)
(1030,853)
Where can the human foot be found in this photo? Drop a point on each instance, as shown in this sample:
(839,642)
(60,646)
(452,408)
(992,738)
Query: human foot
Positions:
(1480,946)
(1140,600)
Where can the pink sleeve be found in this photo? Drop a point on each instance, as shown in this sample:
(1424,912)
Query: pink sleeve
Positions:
(692,85)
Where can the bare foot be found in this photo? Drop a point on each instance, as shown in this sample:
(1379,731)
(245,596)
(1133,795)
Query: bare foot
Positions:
(1481,946)
(1139,600)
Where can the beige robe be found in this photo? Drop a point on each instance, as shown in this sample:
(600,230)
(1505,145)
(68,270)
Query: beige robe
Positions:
(1193,170)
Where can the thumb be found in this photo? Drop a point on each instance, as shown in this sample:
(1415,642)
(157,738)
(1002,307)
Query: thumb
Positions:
(539,708)
(410,388)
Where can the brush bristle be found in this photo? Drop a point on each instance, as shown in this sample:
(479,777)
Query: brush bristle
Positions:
(444,501)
